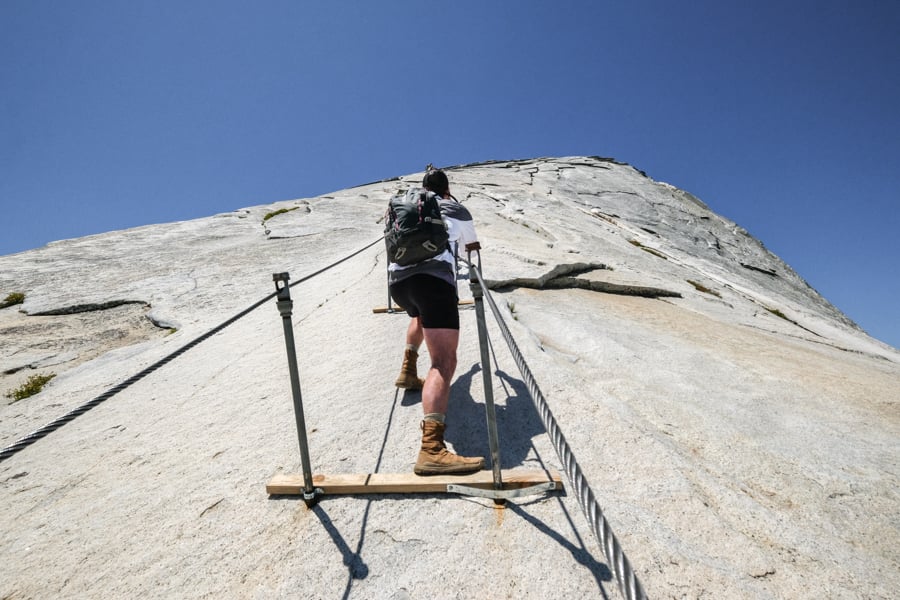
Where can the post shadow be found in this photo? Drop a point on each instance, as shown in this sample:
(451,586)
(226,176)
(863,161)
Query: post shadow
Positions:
(356,566)
(580,553)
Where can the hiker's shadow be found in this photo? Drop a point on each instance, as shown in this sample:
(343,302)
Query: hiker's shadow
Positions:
(517,419)
(411,397)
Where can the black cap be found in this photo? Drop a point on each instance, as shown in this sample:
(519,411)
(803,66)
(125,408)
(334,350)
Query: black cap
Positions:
(436,181)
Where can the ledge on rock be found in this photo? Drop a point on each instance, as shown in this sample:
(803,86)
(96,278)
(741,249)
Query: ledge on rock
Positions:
(541,282)
(560,277)
(760,270)
(83,308)
(610,288)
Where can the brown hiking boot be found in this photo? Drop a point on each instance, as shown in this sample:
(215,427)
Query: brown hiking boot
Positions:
(409,378)
(435,459)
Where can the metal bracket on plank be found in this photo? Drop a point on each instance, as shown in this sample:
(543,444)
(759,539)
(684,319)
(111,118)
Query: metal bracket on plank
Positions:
(501,494)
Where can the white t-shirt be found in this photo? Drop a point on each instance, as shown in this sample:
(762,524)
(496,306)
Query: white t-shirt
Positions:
(460,231)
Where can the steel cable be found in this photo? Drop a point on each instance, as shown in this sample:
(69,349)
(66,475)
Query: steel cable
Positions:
(625,577)
(80,410)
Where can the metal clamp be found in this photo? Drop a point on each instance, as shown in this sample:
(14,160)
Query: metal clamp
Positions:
(531,490)
(310,498)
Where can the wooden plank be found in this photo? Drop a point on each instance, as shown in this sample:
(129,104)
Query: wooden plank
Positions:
(406,483)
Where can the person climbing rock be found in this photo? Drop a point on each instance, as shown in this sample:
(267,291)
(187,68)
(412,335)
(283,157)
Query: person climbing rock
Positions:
(427,291)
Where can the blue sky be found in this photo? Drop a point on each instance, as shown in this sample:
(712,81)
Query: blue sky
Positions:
(782,116)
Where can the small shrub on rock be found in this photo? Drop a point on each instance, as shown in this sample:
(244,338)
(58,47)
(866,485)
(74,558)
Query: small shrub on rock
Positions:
(280,211)
(32,386)
(13,299)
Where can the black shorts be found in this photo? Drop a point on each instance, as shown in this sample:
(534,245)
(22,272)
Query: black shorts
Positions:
(432,299)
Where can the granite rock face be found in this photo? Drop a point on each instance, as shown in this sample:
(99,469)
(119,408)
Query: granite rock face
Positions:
(740,433)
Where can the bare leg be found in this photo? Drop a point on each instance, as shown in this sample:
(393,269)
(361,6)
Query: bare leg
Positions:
(414,333)
(434,458)
(442,345)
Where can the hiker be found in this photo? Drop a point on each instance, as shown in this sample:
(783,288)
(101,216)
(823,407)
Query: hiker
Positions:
(427,290)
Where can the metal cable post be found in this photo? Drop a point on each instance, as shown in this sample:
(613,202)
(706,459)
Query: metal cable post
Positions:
(285,307)
(489,408)
(629,585)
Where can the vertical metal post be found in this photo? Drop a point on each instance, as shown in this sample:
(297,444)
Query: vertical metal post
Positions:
(390,306)
(489,409)
(285,307)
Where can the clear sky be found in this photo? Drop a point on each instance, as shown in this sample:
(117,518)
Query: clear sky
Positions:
(783,116)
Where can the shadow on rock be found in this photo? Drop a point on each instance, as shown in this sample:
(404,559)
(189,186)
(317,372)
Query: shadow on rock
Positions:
(356,567)
(517,420)
(581,555)
(411,398)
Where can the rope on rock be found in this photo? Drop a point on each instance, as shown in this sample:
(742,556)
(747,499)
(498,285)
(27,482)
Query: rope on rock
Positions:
(80,410)
(625,577)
